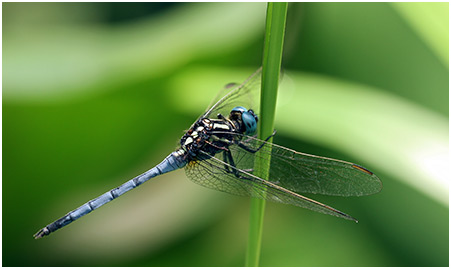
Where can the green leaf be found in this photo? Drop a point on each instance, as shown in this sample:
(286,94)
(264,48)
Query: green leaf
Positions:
(272,58)
(431,22)
(67,61)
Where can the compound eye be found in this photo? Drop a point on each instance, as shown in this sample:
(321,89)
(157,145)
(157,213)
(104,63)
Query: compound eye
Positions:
(239,109)
(250,122)
(253,114)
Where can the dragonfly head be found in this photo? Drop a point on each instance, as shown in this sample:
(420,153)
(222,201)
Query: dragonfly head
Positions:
(248,118)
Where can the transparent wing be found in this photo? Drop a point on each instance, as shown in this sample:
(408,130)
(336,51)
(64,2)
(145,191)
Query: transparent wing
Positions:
(246,94)
(215,173)
(223,92)
(305,173)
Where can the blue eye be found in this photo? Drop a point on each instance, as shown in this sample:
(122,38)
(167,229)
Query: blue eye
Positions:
(239,109)
(250,122)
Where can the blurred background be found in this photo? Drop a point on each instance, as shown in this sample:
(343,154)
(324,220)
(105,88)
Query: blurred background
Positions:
(96,93)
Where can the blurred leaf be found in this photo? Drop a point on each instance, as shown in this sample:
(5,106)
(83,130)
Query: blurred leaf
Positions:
(369,43)
(378,128)
(431,22)
(44,63)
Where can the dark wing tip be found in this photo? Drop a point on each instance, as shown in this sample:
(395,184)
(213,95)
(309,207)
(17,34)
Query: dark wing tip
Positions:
(230,85)
(348,217)
(363,169)
(374,178)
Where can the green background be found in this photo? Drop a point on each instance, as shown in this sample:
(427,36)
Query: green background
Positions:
(96,93)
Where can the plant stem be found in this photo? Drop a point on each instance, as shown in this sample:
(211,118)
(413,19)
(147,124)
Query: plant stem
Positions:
(272,58)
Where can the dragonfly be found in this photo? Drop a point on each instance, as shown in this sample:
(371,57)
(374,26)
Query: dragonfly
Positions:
(220,149)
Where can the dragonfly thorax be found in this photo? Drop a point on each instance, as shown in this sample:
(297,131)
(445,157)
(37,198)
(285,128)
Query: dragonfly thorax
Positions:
(202,136)
(215,135)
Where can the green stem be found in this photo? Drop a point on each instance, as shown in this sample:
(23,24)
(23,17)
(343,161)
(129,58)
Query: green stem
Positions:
(272,58)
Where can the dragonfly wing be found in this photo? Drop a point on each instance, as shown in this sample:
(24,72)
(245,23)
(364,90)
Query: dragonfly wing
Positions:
(211,173)
(246,94)
(223,92)
(214,173)
(305,173)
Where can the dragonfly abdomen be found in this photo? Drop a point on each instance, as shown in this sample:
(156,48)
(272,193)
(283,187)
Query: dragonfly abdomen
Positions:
(174,161)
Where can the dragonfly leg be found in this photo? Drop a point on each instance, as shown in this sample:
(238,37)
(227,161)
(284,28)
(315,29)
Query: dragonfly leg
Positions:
(225,156)
(228,158)
(243,146)
(273,134)
(216,146)
(220,116)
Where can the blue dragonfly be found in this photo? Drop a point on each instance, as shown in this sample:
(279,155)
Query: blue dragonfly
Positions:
(219,151)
